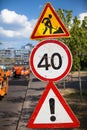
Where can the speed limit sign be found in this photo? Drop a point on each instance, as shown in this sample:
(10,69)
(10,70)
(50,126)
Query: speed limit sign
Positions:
(50,60)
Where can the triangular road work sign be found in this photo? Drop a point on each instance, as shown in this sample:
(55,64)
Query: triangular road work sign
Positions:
(52,111)
(49,25)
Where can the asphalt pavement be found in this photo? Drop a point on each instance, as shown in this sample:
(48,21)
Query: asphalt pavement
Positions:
(11,105)
(18,105)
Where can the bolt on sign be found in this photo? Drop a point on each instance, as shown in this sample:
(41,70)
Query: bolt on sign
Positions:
(49,25)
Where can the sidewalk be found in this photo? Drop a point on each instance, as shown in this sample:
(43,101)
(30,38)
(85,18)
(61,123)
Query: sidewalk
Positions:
(35,90)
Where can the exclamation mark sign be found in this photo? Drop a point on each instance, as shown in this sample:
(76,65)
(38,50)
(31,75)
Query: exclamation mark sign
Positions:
(52,109)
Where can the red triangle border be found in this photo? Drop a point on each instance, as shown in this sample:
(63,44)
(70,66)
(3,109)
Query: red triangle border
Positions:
(31,123)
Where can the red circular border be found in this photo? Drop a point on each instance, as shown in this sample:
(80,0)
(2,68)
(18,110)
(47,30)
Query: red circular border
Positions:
(69,60)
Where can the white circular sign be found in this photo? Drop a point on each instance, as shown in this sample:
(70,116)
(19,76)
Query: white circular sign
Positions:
(51,60)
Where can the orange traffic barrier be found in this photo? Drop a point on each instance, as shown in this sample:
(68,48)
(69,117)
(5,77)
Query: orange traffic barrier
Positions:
(1,72)
(23,72)
(27,71)
(18,69)
(3,83)
(8,73)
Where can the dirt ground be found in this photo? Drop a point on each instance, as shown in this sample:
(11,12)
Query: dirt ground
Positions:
(76,101)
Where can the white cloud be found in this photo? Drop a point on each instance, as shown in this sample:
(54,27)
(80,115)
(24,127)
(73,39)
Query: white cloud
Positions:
(11,17)
(82,15)
(9,33)
(15,25)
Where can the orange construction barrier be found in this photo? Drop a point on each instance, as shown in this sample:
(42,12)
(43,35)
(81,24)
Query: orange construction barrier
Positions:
(18,69)
(27,71)
(3,83)
(8,73)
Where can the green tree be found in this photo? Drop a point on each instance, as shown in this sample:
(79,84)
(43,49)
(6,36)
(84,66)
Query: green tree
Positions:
(78,43)
(78,40)
(66,16)
(84,43)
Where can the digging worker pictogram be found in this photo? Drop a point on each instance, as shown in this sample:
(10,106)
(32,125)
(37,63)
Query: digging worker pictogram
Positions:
(47,23)
(48,26)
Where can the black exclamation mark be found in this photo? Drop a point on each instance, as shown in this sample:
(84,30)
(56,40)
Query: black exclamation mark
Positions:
(52,108)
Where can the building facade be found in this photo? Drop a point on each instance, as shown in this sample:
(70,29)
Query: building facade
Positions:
(15,56)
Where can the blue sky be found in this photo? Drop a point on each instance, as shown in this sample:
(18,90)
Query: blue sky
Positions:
(18,17)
